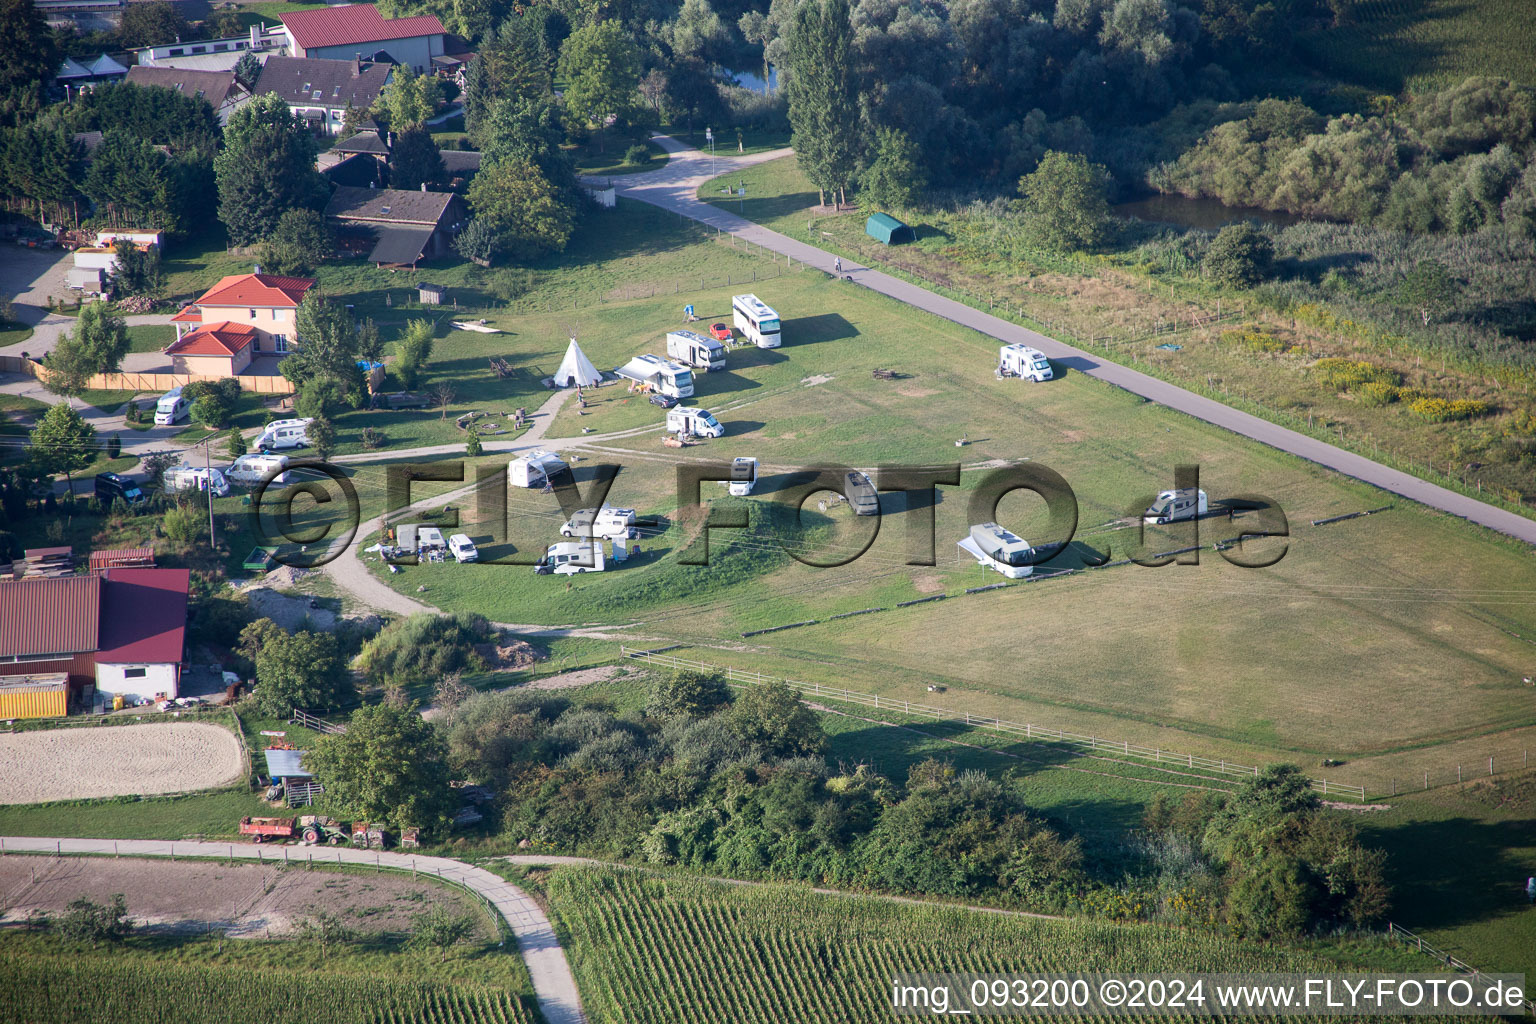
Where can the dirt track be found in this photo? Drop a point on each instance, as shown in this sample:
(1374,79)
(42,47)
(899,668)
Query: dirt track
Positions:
(80,762)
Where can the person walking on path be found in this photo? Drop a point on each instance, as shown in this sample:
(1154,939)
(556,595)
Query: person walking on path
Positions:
(837,264)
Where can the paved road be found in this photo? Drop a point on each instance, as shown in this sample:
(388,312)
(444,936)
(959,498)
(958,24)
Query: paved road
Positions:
(674,187)
(553,983)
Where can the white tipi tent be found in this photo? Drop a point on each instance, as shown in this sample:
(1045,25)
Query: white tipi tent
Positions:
(576,368)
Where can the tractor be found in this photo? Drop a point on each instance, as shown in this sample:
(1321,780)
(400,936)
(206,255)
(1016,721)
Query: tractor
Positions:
(315,829)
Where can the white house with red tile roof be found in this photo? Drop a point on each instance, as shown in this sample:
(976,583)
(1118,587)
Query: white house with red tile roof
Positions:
(238,319)
(359,31)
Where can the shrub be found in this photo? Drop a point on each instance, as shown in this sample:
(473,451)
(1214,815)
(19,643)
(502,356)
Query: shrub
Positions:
(424,647)
(1240,256)
(1376,394)
(372,438)
(1347,374)
(92,923)
(1255,340)
(637,156)
(1440,410)
(183,523)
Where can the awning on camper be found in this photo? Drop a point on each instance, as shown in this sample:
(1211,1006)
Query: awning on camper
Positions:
(400,244)
(884,228)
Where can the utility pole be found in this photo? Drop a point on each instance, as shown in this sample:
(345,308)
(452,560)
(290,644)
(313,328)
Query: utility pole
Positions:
(709,136)
(208,468)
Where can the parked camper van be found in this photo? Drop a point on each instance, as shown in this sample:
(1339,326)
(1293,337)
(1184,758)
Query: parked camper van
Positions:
(195,478)
(999,550)
(571,557)
(689,419)
(693,349)
(755,320)
(662,376)
(1023,361)
(534,469)
(283,435)
(421,539)
(462,548)
(250,470)
(1171,506)
(606,523)
(171,407)
(112,486)
(743,475)
(861,494)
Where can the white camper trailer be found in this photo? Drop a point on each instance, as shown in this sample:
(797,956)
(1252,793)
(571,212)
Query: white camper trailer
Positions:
(743,475)
(999,550)
(1171,506)
(535,469)
(423,540)
(571,557)
(687,419)
(1024,362)
(194,478)
(662,376)
(694,349)
(171,407)
(756,320)
(250,470)
(282,435)
(606,523)
(861,494)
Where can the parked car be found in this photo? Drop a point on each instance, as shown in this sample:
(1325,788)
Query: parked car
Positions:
(665,401)
(720,332)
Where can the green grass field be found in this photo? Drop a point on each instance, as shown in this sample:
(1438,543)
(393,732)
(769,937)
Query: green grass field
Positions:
(649,949)
(150,337)
(1419,44)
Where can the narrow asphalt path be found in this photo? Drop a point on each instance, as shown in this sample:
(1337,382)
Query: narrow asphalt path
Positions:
(675,186)
(553,984)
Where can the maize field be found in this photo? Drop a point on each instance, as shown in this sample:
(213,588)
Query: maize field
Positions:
(649,950)
(91,989)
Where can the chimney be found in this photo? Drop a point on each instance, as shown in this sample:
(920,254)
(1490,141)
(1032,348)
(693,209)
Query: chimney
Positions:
(357,64)
(256,268)
(256,36)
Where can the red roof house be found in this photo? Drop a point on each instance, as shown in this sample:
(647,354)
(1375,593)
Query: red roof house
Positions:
(264,303)
(223,349)
(353,31)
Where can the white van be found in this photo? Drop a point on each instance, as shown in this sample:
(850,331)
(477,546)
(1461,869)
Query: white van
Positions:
(756,320)
(861,494)
(194,478)
(693,349)
(462,548)
(662,376)
(999,550)
(284,434)
(1023,362)
(606,523)
(171,407)
(250,470)
(1171,506)
(569,558)
(687,419)
(743,475)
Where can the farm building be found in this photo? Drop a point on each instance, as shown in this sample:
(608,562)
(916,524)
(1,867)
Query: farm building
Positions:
(119,558)
(39,696)
(403,227)
(115,631)
(346,31)
(882,227)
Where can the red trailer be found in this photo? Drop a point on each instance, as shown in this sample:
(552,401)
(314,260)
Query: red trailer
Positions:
(260,829)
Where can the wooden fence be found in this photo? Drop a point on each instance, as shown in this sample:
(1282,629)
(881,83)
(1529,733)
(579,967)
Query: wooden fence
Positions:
(315,724)
(272,384)
(1407,937)
(1024,730)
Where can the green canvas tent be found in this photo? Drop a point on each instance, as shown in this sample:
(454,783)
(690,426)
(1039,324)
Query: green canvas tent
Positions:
(884,228)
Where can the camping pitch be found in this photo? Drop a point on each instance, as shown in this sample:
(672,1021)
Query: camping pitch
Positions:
(576,369)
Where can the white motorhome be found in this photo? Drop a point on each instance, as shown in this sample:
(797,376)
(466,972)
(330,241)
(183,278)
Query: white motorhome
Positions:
(250,470)
(571,557)
(194,478)
(999,550)
(534,469)
(861,494)
(756,320)
(688,419)
(662,376)
(1171,506)
(283,435)
(171,407)
(743,475)
(462,548)
(1024,362)
(694,349)
(606,523)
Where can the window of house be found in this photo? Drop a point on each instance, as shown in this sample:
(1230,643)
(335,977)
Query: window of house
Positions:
(199,49)
(253,314)
(217,47)
(280,343)
(178,51)
(135,673)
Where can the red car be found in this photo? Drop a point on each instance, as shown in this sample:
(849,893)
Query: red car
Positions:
(720,332)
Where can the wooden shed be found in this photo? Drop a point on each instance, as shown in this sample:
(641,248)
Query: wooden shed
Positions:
(882,227)
(431,294)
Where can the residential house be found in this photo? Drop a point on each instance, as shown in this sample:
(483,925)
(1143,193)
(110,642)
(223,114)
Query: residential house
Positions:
(321,90)
(219,88)
(351,31)
(403,227)
(237,320)
(114,631)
